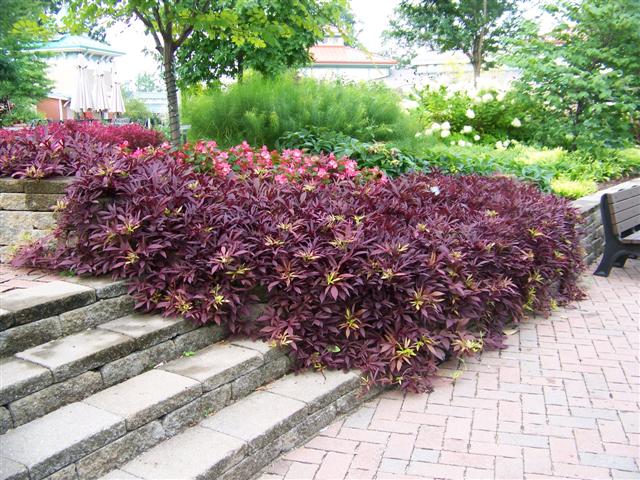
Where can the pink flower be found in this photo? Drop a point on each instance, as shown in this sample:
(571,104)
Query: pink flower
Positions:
(281,179)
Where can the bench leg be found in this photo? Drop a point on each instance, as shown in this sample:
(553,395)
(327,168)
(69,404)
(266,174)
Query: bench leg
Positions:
(620,261)
(609,259)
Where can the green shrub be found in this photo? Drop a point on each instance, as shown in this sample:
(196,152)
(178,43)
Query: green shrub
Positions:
(492,115)
(260,110)
(390,157)
(573,188)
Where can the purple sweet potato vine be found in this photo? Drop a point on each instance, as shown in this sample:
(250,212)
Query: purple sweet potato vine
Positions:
(388,277)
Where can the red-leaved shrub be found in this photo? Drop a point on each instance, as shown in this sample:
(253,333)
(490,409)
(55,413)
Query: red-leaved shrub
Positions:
(61,149)
(389,277)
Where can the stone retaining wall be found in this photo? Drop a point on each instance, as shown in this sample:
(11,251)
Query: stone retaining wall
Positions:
(26,209)
(593,234)
(26,212)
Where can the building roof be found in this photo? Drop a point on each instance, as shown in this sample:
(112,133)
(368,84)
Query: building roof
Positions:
(79,44)
(347,56)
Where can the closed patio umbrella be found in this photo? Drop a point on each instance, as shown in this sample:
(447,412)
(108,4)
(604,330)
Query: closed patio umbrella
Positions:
(81,101)
(116,103)
(100,97)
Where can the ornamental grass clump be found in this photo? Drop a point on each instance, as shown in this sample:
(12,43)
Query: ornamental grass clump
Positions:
(391,277)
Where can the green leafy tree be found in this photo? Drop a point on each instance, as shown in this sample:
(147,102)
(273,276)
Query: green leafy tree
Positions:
(137,111)
(148,82)
(582,79)
(23,79)
(172,23)
(287,30)
(477,28)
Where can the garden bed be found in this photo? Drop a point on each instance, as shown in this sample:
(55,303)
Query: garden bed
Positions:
(360,271)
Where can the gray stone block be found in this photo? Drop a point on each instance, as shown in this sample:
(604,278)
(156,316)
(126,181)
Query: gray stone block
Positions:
(54,396)
(190,414)
(148,330)
(315,389)
(11,185)
(15,224)
(196,453)
(199,338)
(60,438)
(72,355)
(309,426)
(121,451)
(43,301)
(29,335)
(49,185)
(244,385)
(67,473)
(258,419)
(137,362)
(146,397)
(19,378)
(104,286)
(216,365)
(95,314)
(5,420)
(10,470)
(251,464)
(13,201)
(31,202)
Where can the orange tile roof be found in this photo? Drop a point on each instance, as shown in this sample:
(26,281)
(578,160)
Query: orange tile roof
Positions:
(341,54)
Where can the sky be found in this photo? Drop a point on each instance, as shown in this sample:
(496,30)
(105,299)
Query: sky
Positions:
(372,17)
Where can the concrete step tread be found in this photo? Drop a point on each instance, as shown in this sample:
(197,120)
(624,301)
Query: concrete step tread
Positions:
(239,439)
(22,306)
(128,407)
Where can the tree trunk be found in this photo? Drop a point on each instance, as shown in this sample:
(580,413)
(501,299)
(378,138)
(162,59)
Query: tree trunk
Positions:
(477,68)
(172,94)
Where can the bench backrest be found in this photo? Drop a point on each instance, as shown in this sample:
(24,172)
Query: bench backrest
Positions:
(624,209)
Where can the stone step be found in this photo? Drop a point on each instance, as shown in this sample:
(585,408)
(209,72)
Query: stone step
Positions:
(41,379)
(239,440)
(87,439)
(23,306)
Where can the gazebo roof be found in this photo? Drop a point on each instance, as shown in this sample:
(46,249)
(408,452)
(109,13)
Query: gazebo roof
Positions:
(79,44)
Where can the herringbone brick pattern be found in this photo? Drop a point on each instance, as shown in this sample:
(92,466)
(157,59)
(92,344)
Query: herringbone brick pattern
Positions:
(563,401)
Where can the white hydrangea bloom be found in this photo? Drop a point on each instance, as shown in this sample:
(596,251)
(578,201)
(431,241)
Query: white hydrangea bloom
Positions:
(487,97)
(467,129)
(476,137)
(445,133)
(462,143)
(500,97)
(516,123)
(470,113)
(499,145)
(435,126)
(446,126)
(452,143)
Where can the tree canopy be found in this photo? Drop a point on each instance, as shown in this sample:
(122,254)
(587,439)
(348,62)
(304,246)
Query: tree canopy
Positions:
(23,79)
(583,77)
(477,28)
(286,30)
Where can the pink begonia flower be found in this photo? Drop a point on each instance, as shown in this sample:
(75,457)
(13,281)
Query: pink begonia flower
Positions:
(281,179)
(165,145)
(332,164)
(322,172)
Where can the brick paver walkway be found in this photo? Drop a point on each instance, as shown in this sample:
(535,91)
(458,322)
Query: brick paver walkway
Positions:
(562,401)
(13,278)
